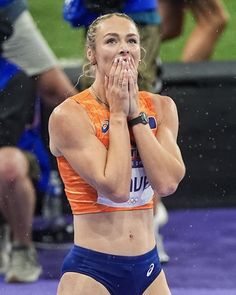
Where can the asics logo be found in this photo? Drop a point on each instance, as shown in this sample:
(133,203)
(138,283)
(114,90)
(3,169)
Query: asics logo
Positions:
(150,270)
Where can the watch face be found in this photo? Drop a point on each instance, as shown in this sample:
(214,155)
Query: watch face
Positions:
(144,118)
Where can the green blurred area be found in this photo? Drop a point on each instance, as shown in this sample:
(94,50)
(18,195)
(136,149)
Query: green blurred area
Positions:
(68,42)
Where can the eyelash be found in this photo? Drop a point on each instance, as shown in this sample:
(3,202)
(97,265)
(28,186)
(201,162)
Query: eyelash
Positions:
(112,40)
(133,41)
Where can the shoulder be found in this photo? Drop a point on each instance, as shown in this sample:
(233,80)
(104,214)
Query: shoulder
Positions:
(68,117)
(71,109)
(68,125)
(161,103)
(65,112)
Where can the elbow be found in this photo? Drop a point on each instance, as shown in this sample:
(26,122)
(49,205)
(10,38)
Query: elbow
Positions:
(223,21)
(118,190)
(119,197)
(217,23)
(169,187)
(117,194)
(114,190)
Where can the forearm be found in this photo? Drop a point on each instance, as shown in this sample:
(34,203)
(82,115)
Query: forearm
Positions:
(164,169)
(117,171)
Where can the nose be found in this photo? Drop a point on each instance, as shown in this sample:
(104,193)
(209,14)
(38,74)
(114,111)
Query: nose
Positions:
(124,49)
(124,53)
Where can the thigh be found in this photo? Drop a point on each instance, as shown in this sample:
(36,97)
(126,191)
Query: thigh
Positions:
(159,286)
(76,283)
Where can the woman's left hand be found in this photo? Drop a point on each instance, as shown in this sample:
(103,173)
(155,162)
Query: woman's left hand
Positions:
(133,89)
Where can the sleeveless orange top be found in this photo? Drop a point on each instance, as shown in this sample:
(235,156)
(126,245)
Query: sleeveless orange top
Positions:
(82,197)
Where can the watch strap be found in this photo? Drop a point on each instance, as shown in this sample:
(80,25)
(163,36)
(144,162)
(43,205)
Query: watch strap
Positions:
(142,118)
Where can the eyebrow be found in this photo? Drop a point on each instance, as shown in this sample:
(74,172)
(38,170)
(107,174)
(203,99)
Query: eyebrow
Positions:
(115,35)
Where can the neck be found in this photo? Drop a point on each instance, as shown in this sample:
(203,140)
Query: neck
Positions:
(99,88)
(100,98)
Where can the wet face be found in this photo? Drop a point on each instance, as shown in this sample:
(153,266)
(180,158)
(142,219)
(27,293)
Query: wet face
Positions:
(116,37)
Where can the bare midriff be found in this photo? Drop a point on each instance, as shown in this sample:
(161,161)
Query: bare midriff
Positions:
(126,233)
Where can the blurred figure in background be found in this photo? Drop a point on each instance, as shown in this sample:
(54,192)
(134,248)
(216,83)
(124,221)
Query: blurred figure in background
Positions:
(27,48)
(211,19)
(26,60)
(17,194)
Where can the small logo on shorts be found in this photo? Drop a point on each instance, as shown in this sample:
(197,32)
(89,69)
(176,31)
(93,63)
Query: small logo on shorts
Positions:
(150,270)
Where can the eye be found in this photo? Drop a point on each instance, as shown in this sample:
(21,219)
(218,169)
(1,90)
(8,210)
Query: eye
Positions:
(111,41)
(133,41)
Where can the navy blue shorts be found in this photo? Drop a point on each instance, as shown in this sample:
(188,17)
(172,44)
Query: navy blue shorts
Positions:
(129,275)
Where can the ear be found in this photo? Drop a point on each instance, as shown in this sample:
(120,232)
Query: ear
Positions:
(91,56)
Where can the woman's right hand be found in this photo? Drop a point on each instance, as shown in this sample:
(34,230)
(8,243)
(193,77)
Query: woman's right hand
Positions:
(116,86)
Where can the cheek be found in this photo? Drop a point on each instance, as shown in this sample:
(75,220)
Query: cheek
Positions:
(137,57)
(138,54)
(105,61)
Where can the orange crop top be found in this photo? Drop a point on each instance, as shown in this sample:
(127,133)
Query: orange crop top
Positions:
(82,197)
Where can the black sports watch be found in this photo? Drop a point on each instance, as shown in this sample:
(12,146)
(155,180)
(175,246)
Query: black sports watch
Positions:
(142,118)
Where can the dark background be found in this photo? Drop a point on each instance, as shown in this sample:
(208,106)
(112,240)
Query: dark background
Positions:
(205,95)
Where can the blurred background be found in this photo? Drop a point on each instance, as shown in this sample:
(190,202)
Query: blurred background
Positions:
(66,42)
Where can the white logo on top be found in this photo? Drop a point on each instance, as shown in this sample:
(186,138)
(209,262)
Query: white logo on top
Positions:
(150,270)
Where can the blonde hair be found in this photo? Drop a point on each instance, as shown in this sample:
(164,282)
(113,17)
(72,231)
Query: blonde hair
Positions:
(92,30)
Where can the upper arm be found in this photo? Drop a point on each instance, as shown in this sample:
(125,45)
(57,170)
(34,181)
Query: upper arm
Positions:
(73,136)
(168,123)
